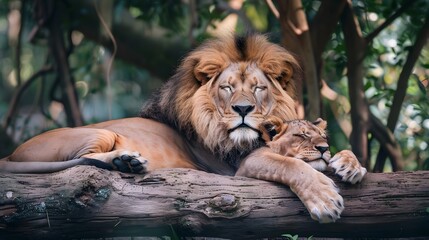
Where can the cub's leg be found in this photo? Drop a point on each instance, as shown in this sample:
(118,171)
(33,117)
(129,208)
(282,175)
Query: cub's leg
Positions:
(317,192)
(347,166)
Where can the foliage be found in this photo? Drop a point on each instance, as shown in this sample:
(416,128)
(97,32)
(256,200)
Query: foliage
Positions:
(172,23)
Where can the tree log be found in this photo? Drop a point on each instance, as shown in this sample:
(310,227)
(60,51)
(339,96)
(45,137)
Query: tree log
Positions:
(87,202)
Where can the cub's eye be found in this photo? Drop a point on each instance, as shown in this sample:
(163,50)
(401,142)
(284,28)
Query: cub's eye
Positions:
(260,88)
(226,88)
(301,135)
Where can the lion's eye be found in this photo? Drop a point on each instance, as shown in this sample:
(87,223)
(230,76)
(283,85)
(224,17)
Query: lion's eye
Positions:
(260,89)
(226,88)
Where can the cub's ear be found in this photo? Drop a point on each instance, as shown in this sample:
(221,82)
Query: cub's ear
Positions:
(272,127)
(322,124)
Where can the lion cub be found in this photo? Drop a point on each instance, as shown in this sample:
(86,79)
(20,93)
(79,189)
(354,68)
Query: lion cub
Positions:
(308,141)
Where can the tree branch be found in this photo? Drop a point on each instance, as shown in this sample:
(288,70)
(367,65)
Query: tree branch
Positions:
(18,46)
(186,202)
(17,95)
(273,8)
(323,25)
(296,38)
(135,42)
(388,145)
(355,52)
(405,5)
(401,90)
(59,54)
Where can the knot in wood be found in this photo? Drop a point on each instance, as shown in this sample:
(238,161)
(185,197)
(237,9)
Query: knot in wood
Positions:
(224,202)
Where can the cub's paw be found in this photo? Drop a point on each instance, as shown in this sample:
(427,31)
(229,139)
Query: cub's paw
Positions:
(130,162)
(321,198)
(347,166)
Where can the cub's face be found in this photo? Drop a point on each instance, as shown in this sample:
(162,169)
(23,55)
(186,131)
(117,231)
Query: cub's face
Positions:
(244,97)
(299,139)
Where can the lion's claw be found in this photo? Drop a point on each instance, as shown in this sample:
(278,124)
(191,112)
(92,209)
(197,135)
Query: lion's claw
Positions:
(321,198)
(346,165)
(130,163)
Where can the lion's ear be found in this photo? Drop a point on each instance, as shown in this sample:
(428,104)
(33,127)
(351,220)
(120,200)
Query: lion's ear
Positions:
(205,71)
(322,124)
(281,66)
(209,65)
(272,127)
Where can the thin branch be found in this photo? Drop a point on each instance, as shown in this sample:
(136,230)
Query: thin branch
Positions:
(388,143)
(112,57)
(405,5)
(19,44)
(225,7)
(273,8)
(17,96)
(42,102)
(194,22)
(340,107)
(402,87)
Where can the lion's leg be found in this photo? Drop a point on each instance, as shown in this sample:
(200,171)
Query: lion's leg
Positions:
(318,192)
(347,166)
(72,143)
(122,160)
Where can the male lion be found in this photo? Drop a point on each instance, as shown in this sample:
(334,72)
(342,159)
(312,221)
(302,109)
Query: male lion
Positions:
(205,117)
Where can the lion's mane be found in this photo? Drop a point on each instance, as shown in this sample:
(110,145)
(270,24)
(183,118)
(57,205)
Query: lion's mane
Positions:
(186,93)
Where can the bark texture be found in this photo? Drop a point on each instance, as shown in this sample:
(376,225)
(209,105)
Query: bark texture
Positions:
(86,202)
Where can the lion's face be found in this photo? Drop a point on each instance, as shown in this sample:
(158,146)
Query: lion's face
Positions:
(242,82)
(242,96)
(299,139)
(229,108)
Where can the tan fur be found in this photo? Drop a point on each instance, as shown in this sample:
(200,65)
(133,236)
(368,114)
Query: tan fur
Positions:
(192,103)
(292,144)
(206,117)
(308,141)
(137,137)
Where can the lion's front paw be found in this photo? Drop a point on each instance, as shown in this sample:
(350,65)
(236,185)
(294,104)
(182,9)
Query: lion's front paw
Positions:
(322,199)
(346,165)
(130,162)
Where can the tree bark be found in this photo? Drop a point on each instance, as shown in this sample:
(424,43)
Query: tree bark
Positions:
(59,54)
(87,202)
(321,28)
(355,52)
(296,38)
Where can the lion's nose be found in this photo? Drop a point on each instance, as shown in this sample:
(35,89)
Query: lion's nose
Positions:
(322,149)
(243,110)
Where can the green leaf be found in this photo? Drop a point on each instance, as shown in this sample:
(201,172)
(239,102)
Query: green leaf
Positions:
(290,237)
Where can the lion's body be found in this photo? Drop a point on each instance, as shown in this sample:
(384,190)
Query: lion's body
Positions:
(151,139)
(205,117)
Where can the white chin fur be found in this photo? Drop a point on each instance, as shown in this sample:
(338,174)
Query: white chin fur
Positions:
(319,165)
(242,136)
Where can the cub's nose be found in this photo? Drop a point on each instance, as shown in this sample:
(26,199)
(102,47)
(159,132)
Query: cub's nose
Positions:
(322,149)
(243,110)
